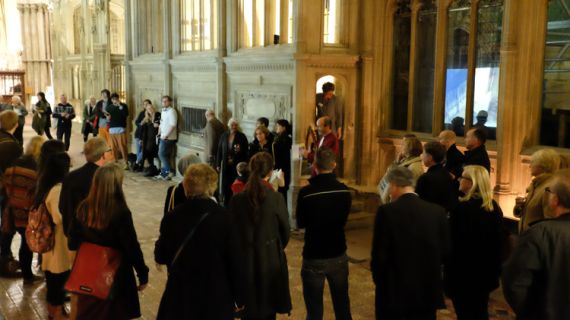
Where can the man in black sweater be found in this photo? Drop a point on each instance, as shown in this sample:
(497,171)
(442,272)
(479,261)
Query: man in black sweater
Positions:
(436,185)
(476,153)
(117,114)
(322,209)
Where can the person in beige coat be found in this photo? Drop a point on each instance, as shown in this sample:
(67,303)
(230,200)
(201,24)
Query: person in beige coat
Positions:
(543,164)
(408,157)
(56,263)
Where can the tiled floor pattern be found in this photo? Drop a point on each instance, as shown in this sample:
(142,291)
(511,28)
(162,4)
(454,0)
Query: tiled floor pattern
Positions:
(145,198)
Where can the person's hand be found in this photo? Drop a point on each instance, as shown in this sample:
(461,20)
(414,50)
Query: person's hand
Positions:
(142,287)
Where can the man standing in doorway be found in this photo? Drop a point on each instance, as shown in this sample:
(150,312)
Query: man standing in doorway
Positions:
(168,133)
(331,106)
(117,114)
(64,113)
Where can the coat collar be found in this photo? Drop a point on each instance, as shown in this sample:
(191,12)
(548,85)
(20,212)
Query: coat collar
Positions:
(322,178)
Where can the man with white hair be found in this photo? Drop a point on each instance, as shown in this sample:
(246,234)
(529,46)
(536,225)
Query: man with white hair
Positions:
(212,133)
(411,240)
(90,119)
(19,107)
(536,281)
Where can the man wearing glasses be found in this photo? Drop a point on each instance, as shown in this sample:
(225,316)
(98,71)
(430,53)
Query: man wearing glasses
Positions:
(536,281)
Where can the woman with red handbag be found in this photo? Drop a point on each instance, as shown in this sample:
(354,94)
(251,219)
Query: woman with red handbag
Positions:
(104,224)
(55,262)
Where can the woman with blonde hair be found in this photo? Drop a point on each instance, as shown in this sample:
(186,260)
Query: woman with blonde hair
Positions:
(104,219)
(474,265)
(199,244)
(543,164)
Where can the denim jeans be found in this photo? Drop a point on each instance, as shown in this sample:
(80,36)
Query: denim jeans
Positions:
(165,148)
(313,274)
(138,142)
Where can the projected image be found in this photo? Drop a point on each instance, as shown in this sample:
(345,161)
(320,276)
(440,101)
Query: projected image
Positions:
(485,100)
(455,100)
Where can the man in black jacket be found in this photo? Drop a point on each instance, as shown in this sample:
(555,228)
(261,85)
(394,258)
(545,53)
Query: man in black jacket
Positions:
(476,152)
(212,133)
(536,281)
(322,209)
(453,157)
(411,240)
(77,183)
(436,185)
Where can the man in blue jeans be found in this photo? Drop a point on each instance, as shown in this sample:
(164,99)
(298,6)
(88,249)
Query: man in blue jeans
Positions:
(322,209)
(168,133)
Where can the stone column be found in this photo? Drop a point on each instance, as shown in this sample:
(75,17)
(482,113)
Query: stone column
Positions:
(37,46)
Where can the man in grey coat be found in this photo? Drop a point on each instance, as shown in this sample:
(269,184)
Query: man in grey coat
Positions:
(536,281)
(212,132)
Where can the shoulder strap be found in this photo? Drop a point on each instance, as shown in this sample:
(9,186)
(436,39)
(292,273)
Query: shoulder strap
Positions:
(185,242)
(171,200)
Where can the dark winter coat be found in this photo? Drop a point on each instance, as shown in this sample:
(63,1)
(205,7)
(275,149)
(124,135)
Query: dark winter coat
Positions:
(74,189)
(536,280)
(410,244)
(436,186)
(262,252)
(474,264)
(478,156)
(207,279)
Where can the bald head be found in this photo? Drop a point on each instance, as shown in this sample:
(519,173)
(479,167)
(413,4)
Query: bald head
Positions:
(447,138)
(324,125)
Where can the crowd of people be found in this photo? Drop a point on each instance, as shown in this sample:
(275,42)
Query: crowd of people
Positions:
(225,227)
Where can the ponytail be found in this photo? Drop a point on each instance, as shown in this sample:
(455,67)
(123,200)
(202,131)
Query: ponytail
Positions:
(260,166)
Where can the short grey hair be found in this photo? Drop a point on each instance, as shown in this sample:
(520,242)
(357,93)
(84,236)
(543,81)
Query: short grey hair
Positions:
(400,176)
(210,113)
(547,159)
(561,187)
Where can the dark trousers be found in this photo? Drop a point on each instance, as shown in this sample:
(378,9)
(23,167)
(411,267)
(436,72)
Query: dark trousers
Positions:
(471,305)
(64,130)
(47,130)
(25,255)
(19,133)
(6,244)
(313,275)
(54,284)
(89,129)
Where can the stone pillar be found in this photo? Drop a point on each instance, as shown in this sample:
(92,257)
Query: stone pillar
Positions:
(37,46)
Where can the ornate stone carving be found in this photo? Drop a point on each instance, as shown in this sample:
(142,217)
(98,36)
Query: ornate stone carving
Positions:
(260,67)
(251,105)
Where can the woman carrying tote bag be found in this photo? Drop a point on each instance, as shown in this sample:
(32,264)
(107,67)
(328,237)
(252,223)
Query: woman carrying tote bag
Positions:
(104,219)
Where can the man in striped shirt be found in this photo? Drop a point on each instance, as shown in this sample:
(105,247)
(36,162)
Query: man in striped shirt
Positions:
(64,113)
(322,209)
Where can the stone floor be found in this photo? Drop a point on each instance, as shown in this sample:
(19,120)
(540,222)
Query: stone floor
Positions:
(145,198)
